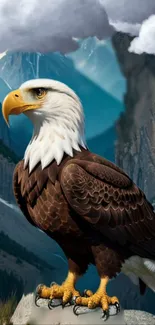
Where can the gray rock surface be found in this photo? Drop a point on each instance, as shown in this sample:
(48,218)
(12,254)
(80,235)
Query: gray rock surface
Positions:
(135,150)
(27,313)
(23,310)
(138,317)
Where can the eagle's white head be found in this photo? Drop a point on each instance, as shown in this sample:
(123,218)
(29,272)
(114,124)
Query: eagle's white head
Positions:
(57,116)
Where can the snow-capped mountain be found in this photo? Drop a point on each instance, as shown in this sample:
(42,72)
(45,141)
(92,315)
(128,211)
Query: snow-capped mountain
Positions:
(97,61)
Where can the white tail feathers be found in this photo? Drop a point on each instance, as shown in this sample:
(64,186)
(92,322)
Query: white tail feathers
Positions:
(136,267)
(150,265)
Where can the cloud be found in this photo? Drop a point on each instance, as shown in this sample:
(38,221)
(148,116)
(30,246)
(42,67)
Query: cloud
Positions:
(145,42)
(55,25)
(136,18)
(127,28)
(50,25)
(130,11)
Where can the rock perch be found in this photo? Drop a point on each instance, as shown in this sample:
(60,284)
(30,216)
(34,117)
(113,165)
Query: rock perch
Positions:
(27,313)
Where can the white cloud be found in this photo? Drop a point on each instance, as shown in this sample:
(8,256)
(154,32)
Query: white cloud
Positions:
(136,18)
(50,25)
(131,29)
(145,42)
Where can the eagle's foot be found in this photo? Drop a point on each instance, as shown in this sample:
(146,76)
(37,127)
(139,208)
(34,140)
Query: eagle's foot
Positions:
(65,293)
(98,299)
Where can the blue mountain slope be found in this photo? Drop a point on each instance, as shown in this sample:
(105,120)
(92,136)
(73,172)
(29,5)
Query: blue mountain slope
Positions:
(97,61)
(104,143)
(101,109)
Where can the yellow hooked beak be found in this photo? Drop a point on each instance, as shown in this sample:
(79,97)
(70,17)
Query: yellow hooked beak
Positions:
(14,104)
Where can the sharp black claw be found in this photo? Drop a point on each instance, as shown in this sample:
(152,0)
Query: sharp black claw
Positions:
(39,287)
(37,297)
(69,303)
(105,315)
(64,304)
(73,301)
(117,305)
(75,308)
(50,304)
(85,293)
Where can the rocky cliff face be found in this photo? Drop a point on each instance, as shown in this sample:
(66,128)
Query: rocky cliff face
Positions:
(135,146)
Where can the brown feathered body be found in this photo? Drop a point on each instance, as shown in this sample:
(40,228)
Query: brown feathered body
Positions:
(91,208)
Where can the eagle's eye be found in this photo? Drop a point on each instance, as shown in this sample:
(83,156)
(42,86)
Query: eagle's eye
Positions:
(39,92)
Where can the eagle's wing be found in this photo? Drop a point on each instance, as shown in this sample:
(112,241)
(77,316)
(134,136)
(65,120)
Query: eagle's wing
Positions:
(106,197)
(18,172)
(39,197)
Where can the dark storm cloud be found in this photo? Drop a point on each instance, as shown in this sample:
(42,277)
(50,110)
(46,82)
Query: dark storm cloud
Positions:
(54,25)
(50,25)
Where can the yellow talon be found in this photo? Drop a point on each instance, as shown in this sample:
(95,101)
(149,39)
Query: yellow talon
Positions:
(66,291)
(99,299)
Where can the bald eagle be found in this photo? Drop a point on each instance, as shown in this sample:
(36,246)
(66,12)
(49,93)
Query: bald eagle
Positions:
(87,204)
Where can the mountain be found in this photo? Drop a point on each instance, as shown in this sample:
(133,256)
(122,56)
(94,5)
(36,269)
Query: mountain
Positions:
(97,61)
(101,109)
(4,131)
(135,131)
(7,164)
(104,144)
(24,266)
(135,150)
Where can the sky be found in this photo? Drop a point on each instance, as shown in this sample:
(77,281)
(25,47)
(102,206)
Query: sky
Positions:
(30,25)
